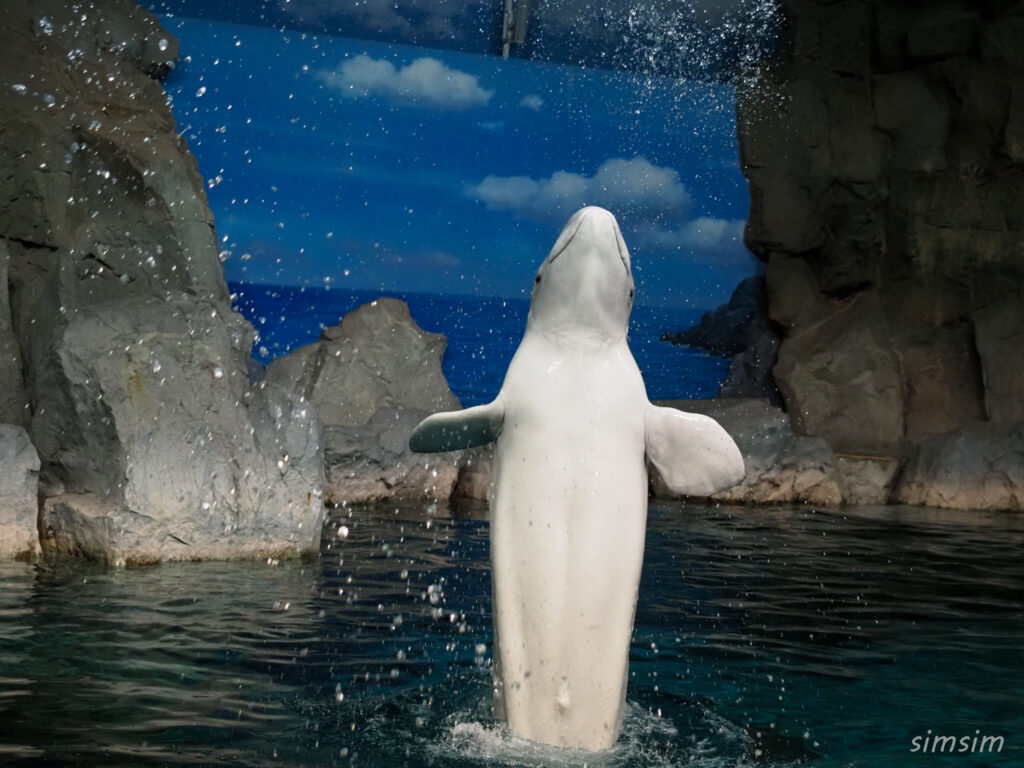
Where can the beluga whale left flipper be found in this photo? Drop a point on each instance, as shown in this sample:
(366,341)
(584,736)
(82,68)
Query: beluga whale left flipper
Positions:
(573,433)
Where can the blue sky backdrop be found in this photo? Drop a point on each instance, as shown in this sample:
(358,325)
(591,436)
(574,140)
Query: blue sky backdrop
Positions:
(359,164)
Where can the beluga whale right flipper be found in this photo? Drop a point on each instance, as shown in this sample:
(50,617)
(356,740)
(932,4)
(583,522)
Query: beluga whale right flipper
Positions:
(573,433)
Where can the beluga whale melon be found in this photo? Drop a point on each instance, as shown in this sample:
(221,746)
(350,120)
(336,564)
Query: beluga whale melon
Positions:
(574,435)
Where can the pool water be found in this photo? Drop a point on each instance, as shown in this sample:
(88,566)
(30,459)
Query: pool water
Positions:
(764,637)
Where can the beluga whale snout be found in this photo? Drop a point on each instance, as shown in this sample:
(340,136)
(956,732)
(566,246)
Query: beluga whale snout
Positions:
(574,437)
(586,282)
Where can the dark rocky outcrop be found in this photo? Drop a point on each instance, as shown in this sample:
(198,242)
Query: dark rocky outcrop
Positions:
(740,329)
(373,378)
(724,330)
(884,149)
(120,350)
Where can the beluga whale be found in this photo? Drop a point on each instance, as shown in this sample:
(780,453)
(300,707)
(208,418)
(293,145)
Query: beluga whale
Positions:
(574,436)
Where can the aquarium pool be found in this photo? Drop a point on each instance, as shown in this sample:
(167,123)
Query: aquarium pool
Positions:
(764,637)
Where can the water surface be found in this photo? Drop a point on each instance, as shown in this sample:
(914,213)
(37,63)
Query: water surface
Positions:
(764,637)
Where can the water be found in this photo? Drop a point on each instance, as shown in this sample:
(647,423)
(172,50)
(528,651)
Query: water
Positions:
(483,334)
(764,637)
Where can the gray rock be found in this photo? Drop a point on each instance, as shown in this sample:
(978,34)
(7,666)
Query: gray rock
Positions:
(886,197)
(917,112)
(373,461)
(153,445)
(785,213)
(979,466)
(983,95)
(1013,135)
(781,467)
(150,420)
(942,390)
(858,149)
(372,378)
(474,481)
(1002,41)
(99,184)
(14,408)
(19,502)
(794,297)
(750,373)
(841,380)
(792,118)
(946,31)
(84,526)
(867,480)
(999,336)
(837,36)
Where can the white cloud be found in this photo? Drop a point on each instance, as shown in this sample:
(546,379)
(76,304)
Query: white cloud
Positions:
(701,234)
(697,240)
(425,82)
(532,101)
(626,187)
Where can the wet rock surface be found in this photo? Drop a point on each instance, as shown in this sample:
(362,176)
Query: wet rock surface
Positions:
(882,149)
(978,466)
(19,487)
(150,416)
(120,350)
(372,378)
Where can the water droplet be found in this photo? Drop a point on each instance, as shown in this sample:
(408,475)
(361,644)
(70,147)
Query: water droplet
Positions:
(201,91)
(163,44)
(19,88)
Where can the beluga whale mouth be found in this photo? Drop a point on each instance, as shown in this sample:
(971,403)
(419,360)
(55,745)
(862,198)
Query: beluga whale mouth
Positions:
(586,282)
(575,224)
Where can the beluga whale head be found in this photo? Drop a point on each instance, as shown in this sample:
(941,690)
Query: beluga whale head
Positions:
(585,285)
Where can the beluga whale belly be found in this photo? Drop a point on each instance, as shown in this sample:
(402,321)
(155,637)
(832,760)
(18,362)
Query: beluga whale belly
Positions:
(574,435)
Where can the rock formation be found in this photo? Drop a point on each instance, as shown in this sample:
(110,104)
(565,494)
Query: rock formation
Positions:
(19,483)
(120,350)
(884,149)
(724,331)
(945,471)
(740,329)
(372,378)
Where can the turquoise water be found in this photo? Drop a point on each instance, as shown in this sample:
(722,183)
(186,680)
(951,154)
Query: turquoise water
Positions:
(483,334)
(764,637)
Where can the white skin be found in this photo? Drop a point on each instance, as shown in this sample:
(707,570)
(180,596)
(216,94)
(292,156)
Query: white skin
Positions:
(568,501)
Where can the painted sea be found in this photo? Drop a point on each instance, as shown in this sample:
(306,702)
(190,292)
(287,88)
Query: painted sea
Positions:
(483,333)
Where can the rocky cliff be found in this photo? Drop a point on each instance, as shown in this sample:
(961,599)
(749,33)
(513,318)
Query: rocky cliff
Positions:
(373,378)
(884,150)
(120,351)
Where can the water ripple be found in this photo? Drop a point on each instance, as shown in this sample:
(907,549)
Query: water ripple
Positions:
(769,637)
